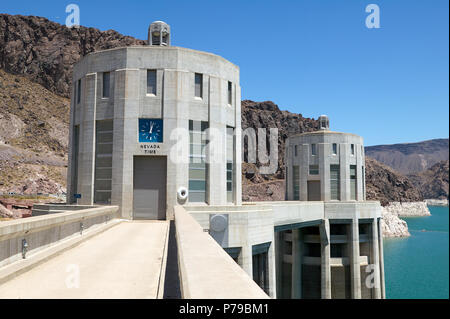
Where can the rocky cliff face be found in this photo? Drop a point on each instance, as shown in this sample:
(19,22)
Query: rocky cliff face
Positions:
(386,185)
(45,51)
(261,187)
(392,225)
(267,115)
(33,137)
(410,158)
(433,183)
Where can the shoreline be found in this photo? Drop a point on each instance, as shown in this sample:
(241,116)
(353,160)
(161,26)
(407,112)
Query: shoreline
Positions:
(436,202)
(392,224)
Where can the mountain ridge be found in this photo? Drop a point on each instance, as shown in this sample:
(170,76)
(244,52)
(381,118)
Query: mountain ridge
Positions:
(411,158)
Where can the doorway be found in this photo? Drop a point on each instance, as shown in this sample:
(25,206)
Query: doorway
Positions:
(149,187)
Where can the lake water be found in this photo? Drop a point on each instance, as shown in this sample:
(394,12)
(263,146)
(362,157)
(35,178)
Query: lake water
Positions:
(418,266)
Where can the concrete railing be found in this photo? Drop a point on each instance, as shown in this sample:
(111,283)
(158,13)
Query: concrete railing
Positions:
(206,270)
(41,232)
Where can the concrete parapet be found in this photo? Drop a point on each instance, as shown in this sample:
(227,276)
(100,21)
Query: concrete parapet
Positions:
(41,232)
(206,270)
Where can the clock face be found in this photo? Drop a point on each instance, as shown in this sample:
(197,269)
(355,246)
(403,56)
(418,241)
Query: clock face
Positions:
(150,130)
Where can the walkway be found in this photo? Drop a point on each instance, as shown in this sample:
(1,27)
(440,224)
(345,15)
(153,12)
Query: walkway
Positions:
(122,262)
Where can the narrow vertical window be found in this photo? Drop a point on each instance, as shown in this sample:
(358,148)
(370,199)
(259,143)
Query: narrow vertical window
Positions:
(199,85)
(103,161)
(352,149)
(230,93)
(106,83)
(79,91)
(334,148)
(296,182)
(260,265)
(335,182)
(197,161)
(151,82)
(313,149)
(295,151)
(353,183)
(230,163)
(75,152)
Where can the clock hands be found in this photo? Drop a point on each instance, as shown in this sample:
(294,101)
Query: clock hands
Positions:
(151,128)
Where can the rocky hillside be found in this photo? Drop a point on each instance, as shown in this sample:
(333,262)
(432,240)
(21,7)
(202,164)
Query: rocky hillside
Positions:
(410,158)
(33,137)
(261,187)
(433,183)
(45,51)
(386,185)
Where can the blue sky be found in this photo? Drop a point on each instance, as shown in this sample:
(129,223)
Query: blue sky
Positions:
(313,57)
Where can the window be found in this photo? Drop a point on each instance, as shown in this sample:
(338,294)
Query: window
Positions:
(151,82)
(353,182)
(199,85)
(197,161)
(106,83)
(295,151)
(334,148)
(230,93)
(75,152)
(103,161)
(79,91)
(313,149)
(230,161)
(352,148)
(335,182)
(313,169)
(234,253)
(260,265)
(296,182)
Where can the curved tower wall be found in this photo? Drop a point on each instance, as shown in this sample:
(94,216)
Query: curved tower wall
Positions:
(174,102)
(314,171)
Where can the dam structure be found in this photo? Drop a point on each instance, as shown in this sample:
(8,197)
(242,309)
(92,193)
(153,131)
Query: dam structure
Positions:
(155,153)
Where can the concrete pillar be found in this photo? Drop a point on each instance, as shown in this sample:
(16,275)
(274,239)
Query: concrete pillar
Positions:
(289,172)
(324,170)
(325,266)
(304,170)
(126,110)
(359,172)
(375,259)
(217,174)
(86,162)
(297,253)
(344,163)
(381,264)
(247,259)
(272,270)
(355,268)
(176,95)
(278,237)
(237,171)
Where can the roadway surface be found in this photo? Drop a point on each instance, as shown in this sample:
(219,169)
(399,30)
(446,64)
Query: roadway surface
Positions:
(125,261)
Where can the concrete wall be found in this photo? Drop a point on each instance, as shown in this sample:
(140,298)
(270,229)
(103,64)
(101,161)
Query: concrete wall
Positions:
(44,231)
(174,102)
(206,270)
(261,222)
